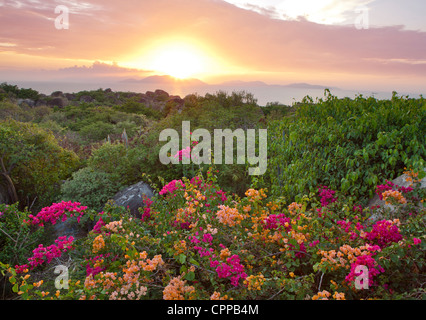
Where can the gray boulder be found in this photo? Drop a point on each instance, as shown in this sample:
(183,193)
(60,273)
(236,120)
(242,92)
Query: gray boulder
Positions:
(375,201)
(29,102)
(132,197)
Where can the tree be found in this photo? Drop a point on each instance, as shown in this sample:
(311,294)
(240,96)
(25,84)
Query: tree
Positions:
(32,163)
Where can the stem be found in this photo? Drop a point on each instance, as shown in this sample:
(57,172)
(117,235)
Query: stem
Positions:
(11,187)
(319,287)
(8,235)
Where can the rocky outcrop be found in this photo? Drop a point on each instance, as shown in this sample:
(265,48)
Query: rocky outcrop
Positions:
(86,98)
(132,197)
(401,181)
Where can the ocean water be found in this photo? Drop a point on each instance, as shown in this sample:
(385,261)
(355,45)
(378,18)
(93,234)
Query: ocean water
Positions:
(264,94)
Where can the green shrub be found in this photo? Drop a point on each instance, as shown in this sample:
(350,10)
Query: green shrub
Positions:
(90,187)
(33,163)
(349,145)
(123,164)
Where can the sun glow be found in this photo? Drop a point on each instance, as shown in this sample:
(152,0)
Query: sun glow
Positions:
(179,61)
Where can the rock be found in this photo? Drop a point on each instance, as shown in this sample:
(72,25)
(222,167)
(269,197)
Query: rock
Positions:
(86,98)
(58,102)
(132,197)
(175,102)
(161,95)
(57,94)
(375,201)
(70,96)
(29,102)
(150,94)
(68,228)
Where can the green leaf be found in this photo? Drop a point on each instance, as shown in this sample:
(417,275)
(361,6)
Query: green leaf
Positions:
(182,258)
(195,262)
(190,276)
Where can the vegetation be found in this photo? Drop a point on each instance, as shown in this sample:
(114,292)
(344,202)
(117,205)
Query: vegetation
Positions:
(301,231)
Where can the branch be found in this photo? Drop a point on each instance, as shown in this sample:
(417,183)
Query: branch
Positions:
(8,235)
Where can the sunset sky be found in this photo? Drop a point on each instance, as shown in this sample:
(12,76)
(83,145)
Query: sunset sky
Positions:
(377,44)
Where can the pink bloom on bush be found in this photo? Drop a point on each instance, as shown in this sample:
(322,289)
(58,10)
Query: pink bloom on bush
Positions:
(327,195)
(42,254)
(417,241)
(57,211)
(384,232)
(172,186)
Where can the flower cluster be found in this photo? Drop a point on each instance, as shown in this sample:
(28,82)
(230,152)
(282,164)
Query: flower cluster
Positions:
(115,226)
(255,282)
(275,221)
(201,242)
(231,269)
(229,216)
(388,187)
(384,232)
(147,210)
(178,290)
(57,211)
(368,261)
(255,195)
(327,195)
(393,194)
(46,254)
(217,296)
(98,244)
(345,256)
(324,295)
(171,187)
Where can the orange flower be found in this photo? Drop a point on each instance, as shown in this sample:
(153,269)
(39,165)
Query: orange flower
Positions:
(98,244)
(229,216)
(178,290)
(395,195)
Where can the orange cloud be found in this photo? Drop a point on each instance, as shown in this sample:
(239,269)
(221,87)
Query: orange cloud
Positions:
(251,42)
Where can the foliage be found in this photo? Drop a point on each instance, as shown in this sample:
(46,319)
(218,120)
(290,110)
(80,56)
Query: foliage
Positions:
(32,162)
(195,241)
(132,105)
(20,93)
(349,145)
(16,238)
(235,111)
(91,187)
(122,163)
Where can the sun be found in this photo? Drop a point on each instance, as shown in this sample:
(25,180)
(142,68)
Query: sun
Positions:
(178,60)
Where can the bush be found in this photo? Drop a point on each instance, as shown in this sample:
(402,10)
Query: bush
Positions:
(33,163)
(97,131)
(349,145)
(90,187)
(122,163)
(195,241)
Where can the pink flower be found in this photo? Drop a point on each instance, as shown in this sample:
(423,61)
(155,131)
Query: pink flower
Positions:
(56,211)
(42,254)
(417,241)
(172,187)
(326,196)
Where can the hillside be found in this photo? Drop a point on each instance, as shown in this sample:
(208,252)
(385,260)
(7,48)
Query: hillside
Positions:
(303,230)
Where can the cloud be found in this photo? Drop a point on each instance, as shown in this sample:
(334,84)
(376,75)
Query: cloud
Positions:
(319,11)
(97,72)
(251,39)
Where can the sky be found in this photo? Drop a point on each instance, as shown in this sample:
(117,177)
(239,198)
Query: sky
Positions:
(357,44)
